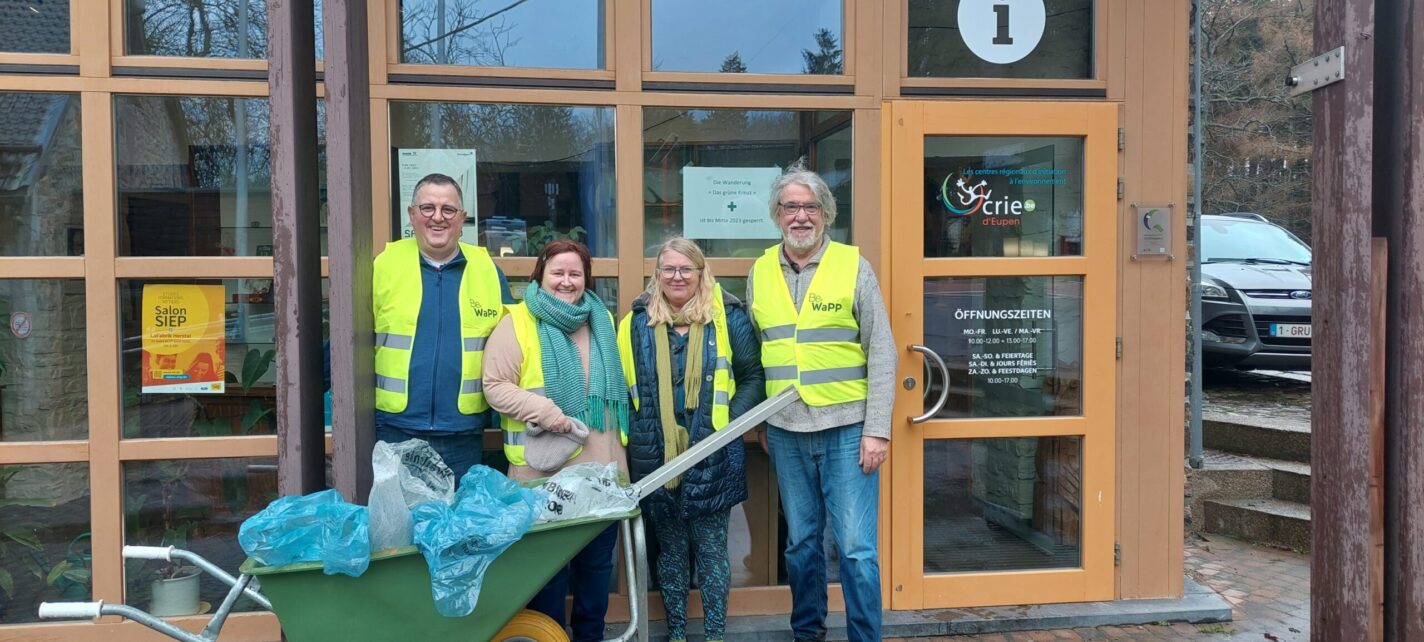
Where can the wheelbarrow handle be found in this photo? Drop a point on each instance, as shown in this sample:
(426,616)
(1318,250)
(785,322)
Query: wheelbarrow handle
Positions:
(716,441)
(70,610)
(164,553)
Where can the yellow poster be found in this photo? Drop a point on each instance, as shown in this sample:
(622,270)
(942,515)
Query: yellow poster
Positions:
(183,339)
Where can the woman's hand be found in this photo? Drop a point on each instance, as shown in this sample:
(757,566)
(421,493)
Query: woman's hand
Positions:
(563,425)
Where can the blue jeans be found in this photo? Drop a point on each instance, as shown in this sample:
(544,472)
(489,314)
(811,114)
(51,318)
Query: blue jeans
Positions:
(459,450)
(588,574)
(819,475)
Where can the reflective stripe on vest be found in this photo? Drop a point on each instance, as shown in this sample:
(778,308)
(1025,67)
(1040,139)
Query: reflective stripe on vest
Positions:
(396,293)
(816,348)
(724,384)
(531,379)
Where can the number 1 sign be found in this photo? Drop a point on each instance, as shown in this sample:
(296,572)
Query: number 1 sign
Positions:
(1001,31)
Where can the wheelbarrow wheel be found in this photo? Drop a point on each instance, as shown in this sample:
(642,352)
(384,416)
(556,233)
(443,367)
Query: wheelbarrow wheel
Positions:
(531,626)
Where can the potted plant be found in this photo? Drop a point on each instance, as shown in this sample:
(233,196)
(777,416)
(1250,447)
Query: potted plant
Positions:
(173,586)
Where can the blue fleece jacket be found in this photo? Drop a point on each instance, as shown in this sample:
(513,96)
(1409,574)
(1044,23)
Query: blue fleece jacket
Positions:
(434,384)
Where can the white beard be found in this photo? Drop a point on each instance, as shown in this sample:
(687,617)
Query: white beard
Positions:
(806,246)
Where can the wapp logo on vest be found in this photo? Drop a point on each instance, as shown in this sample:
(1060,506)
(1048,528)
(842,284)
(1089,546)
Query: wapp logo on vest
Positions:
(821,305)
(972,193)
(481,311)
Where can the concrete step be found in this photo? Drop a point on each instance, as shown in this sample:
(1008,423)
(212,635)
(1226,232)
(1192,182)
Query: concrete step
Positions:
(1268,521)
(1257,436)
(1290,480)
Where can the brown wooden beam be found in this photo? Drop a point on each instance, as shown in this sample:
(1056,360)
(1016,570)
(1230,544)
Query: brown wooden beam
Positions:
(348,180)
(296,249)
(1399,210)
(1341,453)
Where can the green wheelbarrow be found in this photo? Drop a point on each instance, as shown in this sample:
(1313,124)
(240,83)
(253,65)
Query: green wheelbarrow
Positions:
(392,599)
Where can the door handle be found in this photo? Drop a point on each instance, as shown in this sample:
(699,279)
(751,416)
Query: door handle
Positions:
(943,392)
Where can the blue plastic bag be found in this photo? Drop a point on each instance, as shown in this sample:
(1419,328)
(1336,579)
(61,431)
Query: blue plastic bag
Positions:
(320,527)
(460,541)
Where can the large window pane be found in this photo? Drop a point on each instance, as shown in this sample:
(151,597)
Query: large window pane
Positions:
(201,28)
(41,178)
(707,173)
(1050,39)
(503,33)
(1013,345)
(27,26)
(195,504)
(1003,196)
(195,176)
(749,36)
(529,173)
(243,317)
(197,28)
(43,373)
(45,548)
(1003,504)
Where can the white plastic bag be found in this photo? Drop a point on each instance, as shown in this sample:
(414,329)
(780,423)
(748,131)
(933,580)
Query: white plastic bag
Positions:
(404,474)
(586,490)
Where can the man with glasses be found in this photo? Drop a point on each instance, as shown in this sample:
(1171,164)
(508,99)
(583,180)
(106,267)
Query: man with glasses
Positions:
(823,326)
(435,300)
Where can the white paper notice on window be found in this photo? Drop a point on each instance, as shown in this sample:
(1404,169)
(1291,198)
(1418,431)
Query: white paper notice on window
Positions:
(728,202)
(415,164)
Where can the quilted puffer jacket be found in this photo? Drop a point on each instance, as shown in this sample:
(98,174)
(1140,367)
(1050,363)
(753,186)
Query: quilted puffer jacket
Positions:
(720,481)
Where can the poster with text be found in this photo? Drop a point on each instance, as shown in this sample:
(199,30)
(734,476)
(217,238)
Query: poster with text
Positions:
(415,164)
(727,202)
(184,340)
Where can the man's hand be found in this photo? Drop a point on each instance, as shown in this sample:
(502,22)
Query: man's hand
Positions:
(873,451)
(761,438)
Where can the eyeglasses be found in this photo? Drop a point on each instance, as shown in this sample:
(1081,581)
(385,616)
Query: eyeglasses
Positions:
(428,210)
(679,272)
(809,208)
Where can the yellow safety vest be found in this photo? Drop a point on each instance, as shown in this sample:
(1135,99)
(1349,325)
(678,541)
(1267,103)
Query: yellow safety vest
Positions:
(724,385)
(531,379)
(396,290)
(817,348)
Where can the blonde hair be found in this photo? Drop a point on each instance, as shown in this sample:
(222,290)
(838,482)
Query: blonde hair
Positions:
(698,309)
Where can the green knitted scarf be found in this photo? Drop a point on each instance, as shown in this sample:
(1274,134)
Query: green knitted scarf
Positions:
(602,399)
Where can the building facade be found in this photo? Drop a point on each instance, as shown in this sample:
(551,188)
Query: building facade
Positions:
(1015,170)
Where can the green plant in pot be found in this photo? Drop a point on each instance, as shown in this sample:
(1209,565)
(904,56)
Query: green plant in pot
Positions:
(174,586)
(20,544)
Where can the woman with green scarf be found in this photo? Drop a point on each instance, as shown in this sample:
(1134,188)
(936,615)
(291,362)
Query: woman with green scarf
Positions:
(551,370)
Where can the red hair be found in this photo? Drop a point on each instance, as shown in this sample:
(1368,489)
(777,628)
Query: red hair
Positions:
(560,246)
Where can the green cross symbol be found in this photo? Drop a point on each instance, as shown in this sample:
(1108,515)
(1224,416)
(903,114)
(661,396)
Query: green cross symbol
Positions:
(731,206)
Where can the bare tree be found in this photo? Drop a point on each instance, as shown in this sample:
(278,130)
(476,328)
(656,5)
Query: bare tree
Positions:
(1257,138)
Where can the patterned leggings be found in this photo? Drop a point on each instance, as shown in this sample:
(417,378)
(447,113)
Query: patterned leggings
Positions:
(707,535)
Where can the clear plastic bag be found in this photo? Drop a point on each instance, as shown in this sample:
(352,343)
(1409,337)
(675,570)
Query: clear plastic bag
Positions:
(404,474)
(586,490)
(320,527)
(460,541)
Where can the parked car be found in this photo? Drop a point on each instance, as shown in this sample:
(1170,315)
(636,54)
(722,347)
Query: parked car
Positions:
(1255,294)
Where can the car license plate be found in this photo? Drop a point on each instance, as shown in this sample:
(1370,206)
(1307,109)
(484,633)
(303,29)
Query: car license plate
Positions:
(1291,330)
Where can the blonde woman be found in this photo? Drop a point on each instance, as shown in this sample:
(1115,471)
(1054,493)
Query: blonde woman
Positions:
(693,363)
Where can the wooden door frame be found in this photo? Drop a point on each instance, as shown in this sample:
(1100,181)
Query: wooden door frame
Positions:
(910,122)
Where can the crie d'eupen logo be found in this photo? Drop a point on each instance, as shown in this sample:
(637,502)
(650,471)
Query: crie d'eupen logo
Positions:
(818,304)
(481,311)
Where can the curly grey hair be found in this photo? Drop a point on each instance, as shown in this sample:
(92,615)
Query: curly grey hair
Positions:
(798,174)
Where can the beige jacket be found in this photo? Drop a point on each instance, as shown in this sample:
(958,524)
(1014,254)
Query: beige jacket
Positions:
(504,361)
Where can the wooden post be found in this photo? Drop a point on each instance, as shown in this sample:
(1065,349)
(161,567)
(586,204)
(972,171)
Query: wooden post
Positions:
(1340,587)
(348,180)
(296,251)
(1399,208)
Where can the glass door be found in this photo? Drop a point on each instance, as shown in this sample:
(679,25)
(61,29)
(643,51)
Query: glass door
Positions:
(1003,296)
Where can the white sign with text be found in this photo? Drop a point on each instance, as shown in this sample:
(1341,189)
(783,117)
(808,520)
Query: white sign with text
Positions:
(1001,31)
(415,164)
(728,202)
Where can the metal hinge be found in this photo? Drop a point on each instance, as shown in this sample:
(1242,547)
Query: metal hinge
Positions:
(1119,188)
(1117,554)
(1121,139)
(1119,347)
